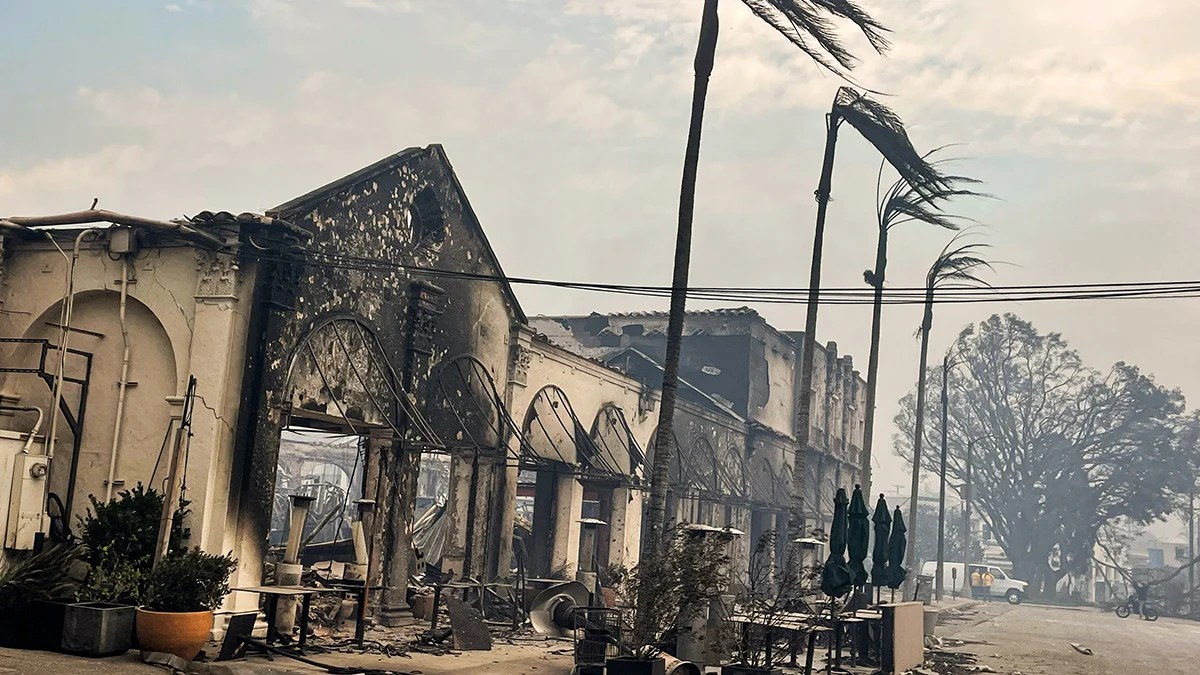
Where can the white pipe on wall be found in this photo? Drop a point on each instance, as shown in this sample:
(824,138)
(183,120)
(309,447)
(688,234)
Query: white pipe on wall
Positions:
(122,383)
(68,307)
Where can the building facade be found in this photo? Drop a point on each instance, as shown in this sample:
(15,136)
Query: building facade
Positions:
(374,307)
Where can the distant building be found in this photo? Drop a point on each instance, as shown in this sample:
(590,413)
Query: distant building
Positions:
(734,359)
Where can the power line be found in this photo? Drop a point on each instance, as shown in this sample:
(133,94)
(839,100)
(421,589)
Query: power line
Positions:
(786,295)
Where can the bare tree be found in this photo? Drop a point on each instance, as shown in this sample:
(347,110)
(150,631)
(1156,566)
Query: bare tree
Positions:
(1067,450)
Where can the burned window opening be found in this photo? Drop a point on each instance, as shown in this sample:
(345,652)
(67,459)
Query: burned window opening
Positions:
(428,220)
(405,420)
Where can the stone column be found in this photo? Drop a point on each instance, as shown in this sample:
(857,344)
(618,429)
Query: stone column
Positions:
(376,488)
(397,513)
(218,352)
(564,554)
(617,519)
(458,504)
(507,516)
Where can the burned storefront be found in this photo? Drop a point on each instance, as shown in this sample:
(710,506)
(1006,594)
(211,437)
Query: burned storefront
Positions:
(359,351)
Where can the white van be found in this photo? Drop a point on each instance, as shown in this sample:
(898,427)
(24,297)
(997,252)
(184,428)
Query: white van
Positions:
(955,576)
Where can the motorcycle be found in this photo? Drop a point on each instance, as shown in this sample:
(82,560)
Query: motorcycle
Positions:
(1149,613)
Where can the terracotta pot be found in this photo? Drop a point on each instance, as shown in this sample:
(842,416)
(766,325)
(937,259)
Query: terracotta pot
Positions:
(180,633)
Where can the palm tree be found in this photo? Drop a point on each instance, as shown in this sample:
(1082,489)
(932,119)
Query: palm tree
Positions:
(902,203)
(810,26)
(956,265)
(885,130)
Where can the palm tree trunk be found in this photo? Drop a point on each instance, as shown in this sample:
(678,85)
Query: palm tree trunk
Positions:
(918,436)
(705,54)
(873,363)
(803,423)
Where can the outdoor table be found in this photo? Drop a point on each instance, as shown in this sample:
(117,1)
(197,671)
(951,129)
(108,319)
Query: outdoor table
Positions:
(796,625)
(272,594)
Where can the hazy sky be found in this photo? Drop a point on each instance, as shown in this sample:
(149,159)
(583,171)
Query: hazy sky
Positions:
(566,121)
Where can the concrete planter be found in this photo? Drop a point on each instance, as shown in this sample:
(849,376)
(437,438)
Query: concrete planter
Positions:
(97,628)
(624,665)
(44,624)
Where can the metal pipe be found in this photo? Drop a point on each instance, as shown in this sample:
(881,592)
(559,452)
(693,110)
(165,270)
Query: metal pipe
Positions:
(104,216)
(122,383)
(68,308)
(36,425)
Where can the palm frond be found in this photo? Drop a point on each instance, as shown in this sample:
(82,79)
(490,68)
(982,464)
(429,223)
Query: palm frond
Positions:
(884,129)
(959,263)
(903,202)
(810,25)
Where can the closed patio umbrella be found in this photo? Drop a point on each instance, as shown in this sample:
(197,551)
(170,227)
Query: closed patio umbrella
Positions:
(836,578)
(858,536)
(896,545)
(879,553)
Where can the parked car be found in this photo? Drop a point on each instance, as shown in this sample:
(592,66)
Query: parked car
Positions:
(955,576)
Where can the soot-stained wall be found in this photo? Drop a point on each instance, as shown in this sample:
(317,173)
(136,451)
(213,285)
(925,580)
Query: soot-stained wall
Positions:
(370,230)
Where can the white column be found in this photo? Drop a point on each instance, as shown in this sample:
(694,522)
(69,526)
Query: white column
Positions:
(568,510)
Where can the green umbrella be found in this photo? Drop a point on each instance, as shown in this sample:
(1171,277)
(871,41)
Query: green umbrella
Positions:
(858,535)
(836,578)
(879,554)
(896,545)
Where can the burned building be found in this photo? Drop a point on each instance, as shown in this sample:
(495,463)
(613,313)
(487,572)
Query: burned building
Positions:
(734,358)
(374,307)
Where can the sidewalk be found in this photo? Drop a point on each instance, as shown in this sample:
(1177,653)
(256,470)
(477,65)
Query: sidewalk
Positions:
(536,657)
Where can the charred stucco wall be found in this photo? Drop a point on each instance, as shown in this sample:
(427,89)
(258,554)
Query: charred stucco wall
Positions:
(369,215)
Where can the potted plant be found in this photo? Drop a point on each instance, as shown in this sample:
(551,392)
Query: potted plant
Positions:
(119,537)
(763,611)
(181,594)
(32,589)
(665,591)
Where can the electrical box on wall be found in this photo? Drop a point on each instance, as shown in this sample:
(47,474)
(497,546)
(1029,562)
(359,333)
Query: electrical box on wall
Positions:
(26,474)
(122,241)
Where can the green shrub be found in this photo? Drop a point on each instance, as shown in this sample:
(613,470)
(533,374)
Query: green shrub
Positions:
(112,579)
(120,537)
(126,528)
(194,581)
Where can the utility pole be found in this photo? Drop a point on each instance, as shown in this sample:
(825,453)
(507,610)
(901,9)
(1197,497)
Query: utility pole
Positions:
(966,496)
(941,540)
(1192,547)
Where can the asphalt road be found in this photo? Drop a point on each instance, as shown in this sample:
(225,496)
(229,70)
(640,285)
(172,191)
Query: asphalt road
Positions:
(1031,639)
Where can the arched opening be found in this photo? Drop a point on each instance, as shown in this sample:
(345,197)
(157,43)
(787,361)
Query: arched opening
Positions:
(557,442)
(86,426)
(465,402)
(340,387)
